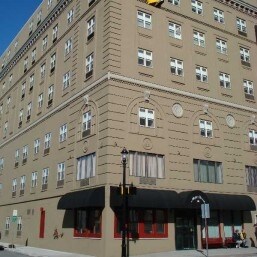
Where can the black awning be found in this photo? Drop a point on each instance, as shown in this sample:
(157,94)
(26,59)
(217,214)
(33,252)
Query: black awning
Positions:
(93,197)
(147,198)
(219,201)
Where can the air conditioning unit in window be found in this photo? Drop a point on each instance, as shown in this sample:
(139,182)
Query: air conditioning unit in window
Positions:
(47,150)
(44,187)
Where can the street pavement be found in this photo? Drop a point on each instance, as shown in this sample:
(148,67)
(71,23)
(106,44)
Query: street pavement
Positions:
(229,252)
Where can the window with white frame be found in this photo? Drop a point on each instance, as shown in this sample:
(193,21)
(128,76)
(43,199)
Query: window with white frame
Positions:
(55,33)
(248,87)
(25,150)
(3,87)
(36,145)
(42,70)
(40,101)
(1,109)
(245,54)
(201,74)
(241,25)
(23,90)
(199,38)
(7,223)
(89,65)
(8,102)
(47,142)
(225,80)
(1,163)
(17,155)
(33,55)
(14,185)
(68,46)
(86,166)
(22,182)
(29,108)
(39,16)
(52,62)
(60,171)
(10,80)
(90,28)
(66,80)
(34,179)
(174,2)
(176,67)
(49,3)
(208,171)
(197,6)
(19,224)
(31,27)
(251,176)
(221,46)
(144,20)
(145,57)
(253,137)
(205,128)
(31,82)
(5,130)
(70,16)
(218,15)
(50,94)
(146,118)
(45,174)
(25,64)
(86,123)
(44,43)
(20,117)
(63,133)
(175,30)
(146,165)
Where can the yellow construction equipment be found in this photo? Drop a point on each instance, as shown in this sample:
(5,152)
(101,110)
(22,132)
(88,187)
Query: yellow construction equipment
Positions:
(156,3)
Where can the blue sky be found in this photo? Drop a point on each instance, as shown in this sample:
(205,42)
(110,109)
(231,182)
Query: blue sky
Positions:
(13,15)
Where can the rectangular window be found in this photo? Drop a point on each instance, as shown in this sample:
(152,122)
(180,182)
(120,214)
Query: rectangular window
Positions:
(245,56)
(248,87)
(221,46)
(25,151)
(39,16)
(5,130)
(224,80)
(201,74)
(29,108)
(22,184)
(218,15)
(47,143)
(145,223)
(7,223)
(86,123)
(70,16)
(10,80)
(86,166)
(17,157)
(176,67)
(1,163)
(205,128)
(30,27)
(44,43)
(42,70)
(36,145)
(89,65)
(174,2)
(88,223)
(251,176)
(45,174)
(33,55)
(68,46)
(146,165)
(241,26)
(23,90)
(55,33)
(60,171)
(31,82)
(91,28)
(49,3)
(253,137)
(145,57)
(20,118)
(53,62)
(146,118)
(199,38)
(197,6)
(34,179)
(144,20)
(40,101)
(25,64)
(66,80)
(14,186)
(175,30)
(63,133)
(50,95)
(19,224)
(208,171)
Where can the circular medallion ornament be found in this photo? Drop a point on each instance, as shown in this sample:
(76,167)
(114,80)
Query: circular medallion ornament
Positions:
(85,147)
(147,144)
(207,152)
(177,110)
(230,121)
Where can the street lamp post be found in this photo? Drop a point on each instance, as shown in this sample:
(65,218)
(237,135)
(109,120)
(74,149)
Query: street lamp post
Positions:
(124,154)
(204,213)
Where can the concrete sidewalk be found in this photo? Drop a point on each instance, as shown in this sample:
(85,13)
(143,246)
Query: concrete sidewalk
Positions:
(230,252)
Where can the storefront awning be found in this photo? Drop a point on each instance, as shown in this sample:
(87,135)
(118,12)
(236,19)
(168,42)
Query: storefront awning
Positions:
(94,197)
(147,198)
(219,201)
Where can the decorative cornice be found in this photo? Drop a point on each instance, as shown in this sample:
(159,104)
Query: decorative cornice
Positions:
(35,35)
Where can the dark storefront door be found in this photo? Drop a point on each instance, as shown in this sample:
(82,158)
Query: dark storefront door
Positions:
(185,230)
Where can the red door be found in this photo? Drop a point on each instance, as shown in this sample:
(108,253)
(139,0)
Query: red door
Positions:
(42,223)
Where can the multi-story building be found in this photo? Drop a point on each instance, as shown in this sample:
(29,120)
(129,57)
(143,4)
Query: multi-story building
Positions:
(174,82)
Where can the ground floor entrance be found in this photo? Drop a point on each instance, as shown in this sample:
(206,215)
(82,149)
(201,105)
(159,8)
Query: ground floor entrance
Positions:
(185,230)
